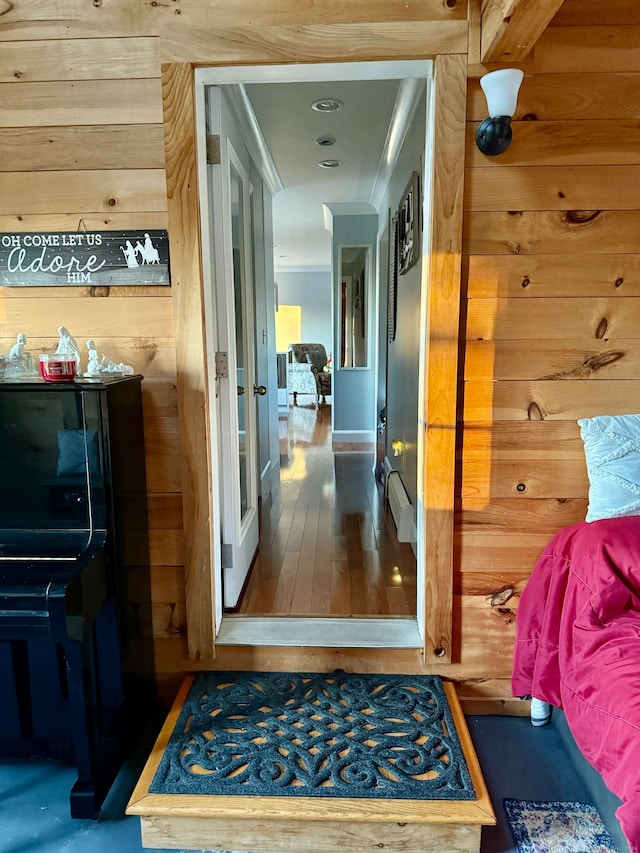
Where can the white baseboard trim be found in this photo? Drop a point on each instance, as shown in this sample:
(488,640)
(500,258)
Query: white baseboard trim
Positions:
(354,440)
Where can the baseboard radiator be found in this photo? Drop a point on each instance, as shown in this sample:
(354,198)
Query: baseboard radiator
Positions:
(400,505)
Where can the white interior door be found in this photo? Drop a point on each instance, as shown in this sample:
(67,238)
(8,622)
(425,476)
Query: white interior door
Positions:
(238,454)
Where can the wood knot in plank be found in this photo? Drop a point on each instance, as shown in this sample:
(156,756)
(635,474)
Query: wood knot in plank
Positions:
(99,291)
(507,615)
(601,331)
(602,359)
(534,412)
(618,282)
(148,345)
(580,217)
(501,596)
(589,366)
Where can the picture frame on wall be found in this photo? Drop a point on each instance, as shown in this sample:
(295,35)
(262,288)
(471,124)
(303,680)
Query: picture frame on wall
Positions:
(393,278)
(408,241)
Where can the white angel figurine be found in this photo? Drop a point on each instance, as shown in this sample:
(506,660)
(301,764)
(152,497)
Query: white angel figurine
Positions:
(67,346)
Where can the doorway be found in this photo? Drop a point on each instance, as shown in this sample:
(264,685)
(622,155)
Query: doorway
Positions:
(322,418)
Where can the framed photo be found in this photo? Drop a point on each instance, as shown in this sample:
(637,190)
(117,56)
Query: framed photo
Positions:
(409,225)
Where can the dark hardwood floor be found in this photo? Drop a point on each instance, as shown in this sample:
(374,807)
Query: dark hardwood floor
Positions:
(328,544)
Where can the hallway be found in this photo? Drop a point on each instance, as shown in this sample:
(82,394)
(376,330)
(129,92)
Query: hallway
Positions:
(328,544)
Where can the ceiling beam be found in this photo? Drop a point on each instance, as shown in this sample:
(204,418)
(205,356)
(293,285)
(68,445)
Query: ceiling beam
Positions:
(510,28)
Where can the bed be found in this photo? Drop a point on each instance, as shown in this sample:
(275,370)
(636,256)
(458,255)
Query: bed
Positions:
(578,624)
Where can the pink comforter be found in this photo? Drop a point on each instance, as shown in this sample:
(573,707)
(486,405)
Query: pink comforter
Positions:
(578,647)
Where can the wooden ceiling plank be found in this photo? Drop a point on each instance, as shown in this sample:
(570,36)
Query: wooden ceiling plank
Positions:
(510,28)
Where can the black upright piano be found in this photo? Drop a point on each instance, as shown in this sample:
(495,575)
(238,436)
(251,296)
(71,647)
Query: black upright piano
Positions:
(71,472)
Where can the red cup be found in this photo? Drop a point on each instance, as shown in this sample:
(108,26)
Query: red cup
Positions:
(57,367)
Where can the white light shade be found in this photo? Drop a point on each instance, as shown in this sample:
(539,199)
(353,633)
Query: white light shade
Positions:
(501,91)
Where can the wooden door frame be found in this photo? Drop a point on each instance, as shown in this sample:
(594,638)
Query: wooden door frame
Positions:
(441,321)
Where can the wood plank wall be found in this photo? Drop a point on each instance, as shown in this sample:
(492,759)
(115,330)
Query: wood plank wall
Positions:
(551,268)
(552,279)
(81,147)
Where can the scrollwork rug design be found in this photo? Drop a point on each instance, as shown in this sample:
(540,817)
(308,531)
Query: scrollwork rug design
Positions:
(315,734)
(565,827)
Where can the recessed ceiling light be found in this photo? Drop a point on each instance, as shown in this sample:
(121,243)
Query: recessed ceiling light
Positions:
(327,105)
(324,141)
(330,164)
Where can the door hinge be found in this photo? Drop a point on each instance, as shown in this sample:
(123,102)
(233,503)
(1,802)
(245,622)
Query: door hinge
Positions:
(226,556)
(222,365)
(213,149)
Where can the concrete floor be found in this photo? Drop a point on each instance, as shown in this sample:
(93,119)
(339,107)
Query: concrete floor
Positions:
(529,763)
(517,760)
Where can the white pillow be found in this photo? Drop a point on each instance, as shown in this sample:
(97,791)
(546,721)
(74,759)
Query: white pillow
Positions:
(612,450)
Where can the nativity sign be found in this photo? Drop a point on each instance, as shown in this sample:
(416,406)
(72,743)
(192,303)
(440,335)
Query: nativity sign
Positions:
(101,258)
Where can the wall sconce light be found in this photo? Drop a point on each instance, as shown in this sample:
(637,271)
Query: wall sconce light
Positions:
(501,91)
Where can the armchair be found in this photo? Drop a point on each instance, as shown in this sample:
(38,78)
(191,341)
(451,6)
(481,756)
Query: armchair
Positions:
(306,374)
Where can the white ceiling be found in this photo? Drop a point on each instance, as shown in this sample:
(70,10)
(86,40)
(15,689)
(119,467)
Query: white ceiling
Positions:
(290,129)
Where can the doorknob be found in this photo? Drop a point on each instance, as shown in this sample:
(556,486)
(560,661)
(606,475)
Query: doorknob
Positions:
(260,389)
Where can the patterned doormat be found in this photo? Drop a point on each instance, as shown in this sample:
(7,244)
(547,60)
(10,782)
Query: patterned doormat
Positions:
(554,826)
(315,734)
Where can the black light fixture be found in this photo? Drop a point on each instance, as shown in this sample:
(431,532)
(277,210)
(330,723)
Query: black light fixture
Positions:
(501,91)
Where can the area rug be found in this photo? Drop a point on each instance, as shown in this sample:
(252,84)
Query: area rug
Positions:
(557,827)
(315,734)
